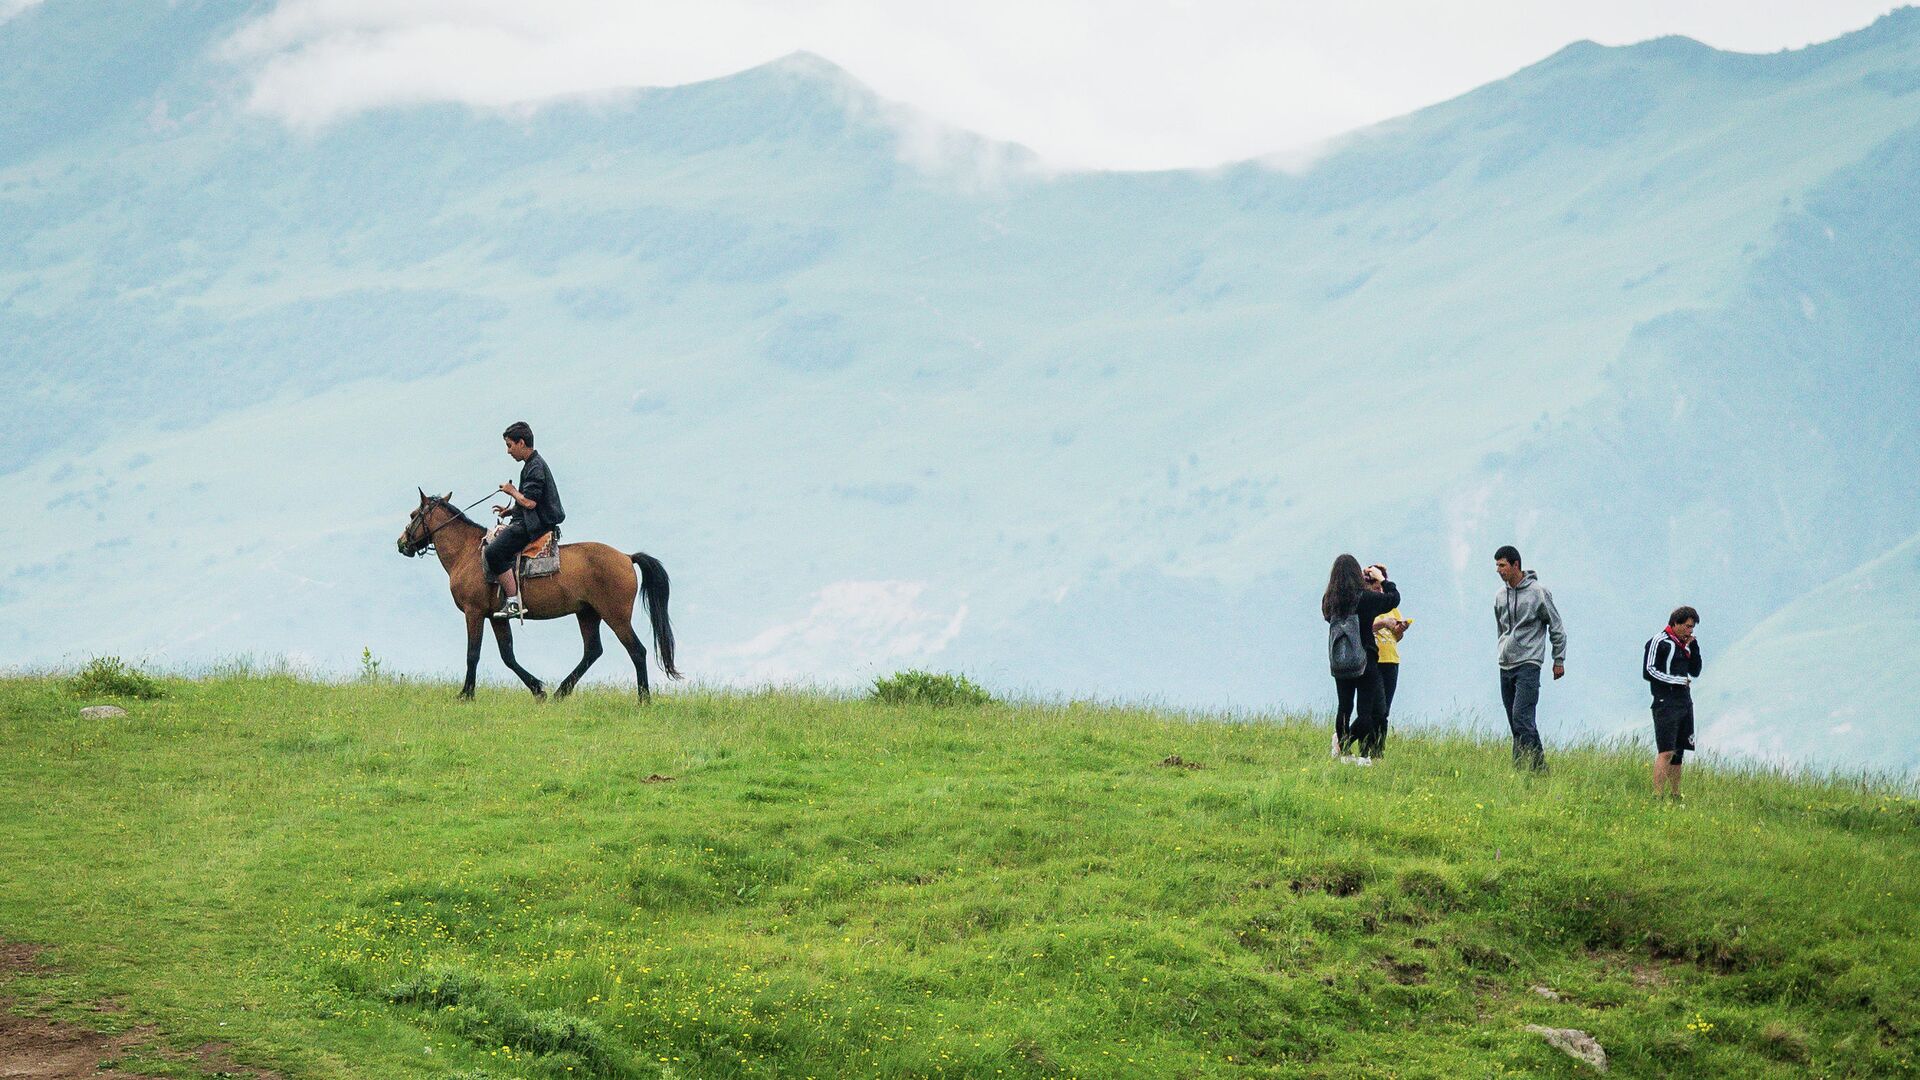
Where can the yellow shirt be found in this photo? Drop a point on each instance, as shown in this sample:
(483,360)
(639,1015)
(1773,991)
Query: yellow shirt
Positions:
(1389,648)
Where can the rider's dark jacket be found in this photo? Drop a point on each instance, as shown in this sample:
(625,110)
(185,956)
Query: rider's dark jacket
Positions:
(536,483)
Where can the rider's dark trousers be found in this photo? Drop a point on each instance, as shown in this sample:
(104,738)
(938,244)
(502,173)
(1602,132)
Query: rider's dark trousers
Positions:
(501,549)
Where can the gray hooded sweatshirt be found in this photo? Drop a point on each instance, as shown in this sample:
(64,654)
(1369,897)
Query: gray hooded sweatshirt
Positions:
(1527,620)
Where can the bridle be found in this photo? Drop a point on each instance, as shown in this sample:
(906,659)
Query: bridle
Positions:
(425,543)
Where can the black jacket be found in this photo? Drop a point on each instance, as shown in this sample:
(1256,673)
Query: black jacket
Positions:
(1371,606)
(1668,666)
(536,483)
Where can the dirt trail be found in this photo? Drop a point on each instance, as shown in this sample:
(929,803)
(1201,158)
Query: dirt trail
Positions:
(32,1048)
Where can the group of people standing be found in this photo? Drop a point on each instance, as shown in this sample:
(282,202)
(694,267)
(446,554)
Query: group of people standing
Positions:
(1365,626)
(1362,609)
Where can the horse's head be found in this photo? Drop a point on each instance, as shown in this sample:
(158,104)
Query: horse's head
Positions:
(433,512)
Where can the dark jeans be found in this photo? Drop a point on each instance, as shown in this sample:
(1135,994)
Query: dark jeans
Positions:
(1363,698)
(502,548)
(1520,693)
(1390,679)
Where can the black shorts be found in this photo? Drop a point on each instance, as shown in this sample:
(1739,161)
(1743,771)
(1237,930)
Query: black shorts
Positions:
(501,549)
(1673,727)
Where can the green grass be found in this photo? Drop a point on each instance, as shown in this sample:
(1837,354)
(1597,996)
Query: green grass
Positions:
(376,881)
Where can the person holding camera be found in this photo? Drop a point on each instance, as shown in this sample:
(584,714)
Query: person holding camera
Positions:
(1353,600)
(1388,629)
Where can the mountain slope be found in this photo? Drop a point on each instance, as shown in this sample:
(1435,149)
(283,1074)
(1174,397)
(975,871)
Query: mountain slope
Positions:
(1817,679)
(874,408)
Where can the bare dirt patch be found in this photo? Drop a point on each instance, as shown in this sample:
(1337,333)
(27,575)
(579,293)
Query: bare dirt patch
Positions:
(1404,972)
(35,1048)
(1646,974)
(16,958)
(1175,761)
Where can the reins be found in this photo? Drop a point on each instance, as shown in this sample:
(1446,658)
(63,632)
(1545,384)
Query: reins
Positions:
(426,542)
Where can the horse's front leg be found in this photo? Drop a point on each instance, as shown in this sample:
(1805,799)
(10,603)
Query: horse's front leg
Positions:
(473,654)
(503,633)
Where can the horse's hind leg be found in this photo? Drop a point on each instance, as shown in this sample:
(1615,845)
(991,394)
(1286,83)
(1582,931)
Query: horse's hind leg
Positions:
(590,638)
(623,629)
(503,633)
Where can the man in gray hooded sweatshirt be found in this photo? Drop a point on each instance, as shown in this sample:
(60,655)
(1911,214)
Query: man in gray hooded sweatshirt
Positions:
(1527,620)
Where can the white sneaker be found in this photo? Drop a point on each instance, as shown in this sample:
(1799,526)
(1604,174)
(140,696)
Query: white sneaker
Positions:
(513,610)
(1357,760)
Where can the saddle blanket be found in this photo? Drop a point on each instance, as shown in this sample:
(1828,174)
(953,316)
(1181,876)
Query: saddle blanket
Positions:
(542,557)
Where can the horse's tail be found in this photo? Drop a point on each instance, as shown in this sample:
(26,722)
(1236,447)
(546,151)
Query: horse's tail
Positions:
(653,585)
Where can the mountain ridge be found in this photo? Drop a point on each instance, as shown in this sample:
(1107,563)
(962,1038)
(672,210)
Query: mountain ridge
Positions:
(1079,420)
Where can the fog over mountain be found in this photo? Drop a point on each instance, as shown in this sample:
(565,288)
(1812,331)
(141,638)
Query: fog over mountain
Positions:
(883,394)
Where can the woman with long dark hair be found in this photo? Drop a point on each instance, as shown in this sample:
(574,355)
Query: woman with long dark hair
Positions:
(1360,724)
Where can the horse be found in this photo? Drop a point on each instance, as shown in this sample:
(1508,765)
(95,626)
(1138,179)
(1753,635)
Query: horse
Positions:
(596,583)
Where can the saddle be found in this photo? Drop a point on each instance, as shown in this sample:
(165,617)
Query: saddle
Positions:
(540,558)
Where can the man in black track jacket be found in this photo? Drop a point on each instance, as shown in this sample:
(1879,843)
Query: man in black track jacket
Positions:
(1670,664)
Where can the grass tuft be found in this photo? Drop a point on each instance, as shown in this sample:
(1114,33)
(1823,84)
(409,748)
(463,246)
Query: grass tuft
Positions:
(552,1041)
(110,676)
(937,689)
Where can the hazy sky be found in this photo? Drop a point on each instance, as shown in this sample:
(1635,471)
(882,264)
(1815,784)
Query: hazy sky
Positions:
(1086,83)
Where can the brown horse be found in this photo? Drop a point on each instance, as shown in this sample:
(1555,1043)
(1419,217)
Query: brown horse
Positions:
(596,583)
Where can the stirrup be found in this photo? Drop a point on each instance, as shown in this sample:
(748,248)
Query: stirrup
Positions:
(513,609)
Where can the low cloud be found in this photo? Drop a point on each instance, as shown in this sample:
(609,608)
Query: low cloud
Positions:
(10,8)
(1083,84)
(1127,84)
(853,631)
(315,61)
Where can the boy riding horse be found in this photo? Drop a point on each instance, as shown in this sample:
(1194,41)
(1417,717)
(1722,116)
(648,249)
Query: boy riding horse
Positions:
(534,512)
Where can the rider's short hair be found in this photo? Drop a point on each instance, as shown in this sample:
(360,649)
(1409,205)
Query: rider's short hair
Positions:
(1509,553)
(519,432)
(1683,615)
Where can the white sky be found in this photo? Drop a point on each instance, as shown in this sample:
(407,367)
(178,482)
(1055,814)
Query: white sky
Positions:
(1085,83)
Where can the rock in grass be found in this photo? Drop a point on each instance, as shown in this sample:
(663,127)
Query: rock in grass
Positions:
(101,712)
(1544,992)
(1574,1043)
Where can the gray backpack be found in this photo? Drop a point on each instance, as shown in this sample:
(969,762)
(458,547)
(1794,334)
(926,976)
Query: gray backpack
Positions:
(1346,655)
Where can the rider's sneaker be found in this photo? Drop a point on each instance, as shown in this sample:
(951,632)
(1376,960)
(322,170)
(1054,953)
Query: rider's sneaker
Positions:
(513,610)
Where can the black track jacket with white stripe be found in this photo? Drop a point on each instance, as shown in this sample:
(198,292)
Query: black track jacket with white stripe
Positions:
(1670,666)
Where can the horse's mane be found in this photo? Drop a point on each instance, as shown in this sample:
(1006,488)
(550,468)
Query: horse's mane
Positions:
(439,500)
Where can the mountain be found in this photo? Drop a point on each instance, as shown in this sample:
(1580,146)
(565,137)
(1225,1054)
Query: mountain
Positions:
(1812,682)
(881,393)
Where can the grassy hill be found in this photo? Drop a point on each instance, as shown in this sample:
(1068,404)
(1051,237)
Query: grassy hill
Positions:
(373,880)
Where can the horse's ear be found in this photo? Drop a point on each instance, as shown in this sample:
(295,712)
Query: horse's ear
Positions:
(448,496)
(423,493)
